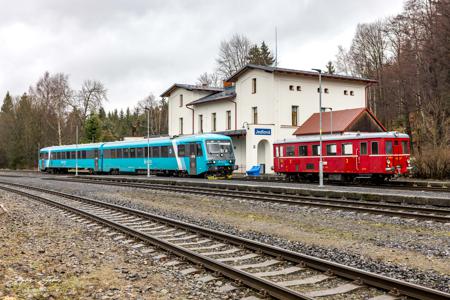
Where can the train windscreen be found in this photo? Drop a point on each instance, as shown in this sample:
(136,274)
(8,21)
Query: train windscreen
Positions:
(219,149)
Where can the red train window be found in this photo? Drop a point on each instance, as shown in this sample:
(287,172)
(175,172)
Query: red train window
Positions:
(388,146)
(290,151)
(374,147)
(302,150)
(405,147)
(363,148)
(315,150)
(347,149)
(331,149)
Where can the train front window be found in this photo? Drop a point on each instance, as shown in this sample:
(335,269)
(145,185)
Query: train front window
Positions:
(219,149)
(405,147)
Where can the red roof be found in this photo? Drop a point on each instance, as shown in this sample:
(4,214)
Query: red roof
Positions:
(342,120)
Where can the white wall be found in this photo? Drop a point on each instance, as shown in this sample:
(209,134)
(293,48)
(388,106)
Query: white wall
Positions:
(176,112)
(206,109)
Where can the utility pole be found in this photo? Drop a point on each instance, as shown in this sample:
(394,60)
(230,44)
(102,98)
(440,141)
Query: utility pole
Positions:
(320,129)
(148,141)
(76,154)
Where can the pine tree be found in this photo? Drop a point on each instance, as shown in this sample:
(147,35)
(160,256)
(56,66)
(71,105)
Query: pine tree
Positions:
(330,68)
(93,129)
(266,57)
(7,106)
(254,55)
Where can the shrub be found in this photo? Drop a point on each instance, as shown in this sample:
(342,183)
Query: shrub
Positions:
(432,163)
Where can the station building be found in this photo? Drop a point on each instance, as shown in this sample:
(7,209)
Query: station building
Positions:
(259,105)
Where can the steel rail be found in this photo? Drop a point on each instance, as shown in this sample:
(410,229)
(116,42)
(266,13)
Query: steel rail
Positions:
(435,214)
(395,286)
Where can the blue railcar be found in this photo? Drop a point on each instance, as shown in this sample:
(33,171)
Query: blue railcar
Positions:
(196,155)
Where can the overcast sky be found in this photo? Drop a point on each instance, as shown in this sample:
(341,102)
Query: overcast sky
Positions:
(137,47)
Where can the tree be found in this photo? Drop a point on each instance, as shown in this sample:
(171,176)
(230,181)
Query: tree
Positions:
(90,98)
(7,105)
(209,79)
(233,55)
(266,57)
(330,68)
(92,129)
(254,55)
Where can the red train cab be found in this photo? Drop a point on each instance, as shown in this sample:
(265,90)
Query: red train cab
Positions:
(378,155)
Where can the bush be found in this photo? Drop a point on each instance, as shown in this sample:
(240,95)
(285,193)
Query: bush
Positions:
(432,163)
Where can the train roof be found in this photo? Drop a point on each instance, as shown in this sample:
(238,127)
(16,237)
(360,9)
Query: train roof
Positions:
(73,147)
(186,138)
(344,136)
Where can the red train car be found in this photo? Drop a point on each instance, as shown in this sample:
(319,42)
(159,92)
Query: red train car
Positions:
(378,156)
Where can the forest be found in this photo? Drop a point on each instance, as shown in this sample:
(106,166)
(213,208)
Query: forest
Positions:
(409,55)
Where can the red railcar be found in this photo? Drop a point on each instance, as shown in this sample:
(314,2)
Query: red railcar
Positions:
(379,156)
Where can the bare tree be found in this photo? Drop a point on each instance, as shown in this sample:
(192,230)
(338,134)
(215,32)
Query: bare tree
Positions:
(151,104)
(53,92)
(233,55)
(209,79)
(90,98)
(343,62)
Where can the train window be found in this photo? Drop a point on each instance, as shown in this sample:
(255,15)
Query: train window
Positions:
(58,155)
(181,150)
(277,151)
(331,149)
(388,147)
(95,153)
(374,147)
(119,153)
(302,150)
(290,151)
(363,148)
(126,152)
(192,149)
(113,153)
(72,154)
(315,150)
(405,147)
(164,151)
(347,149)
(132,152)
(146,151)
(199,150)
(140,152)
(155,152)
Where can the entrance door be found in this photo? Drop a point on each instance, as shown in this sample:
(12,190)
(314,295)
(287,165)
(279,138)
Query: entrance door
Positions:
(96,160)
(192,158)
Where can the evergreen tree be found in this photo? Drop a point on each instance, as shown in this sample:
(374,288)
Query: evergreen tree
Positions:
(254,55)
(330,68)
(266,57)
(7,106)
(93,129)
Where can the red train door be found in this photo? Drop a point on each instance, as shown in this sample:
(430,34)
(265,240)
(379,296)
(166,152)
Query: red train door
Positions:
(363,157)
(397,149)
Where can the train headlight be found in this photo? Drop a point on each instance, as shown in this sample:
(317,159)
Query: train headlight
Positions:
(388,161)
(408,161)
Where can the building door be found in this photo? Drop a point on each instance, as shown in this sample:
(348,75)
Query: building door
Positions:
(263,156)
(192,150)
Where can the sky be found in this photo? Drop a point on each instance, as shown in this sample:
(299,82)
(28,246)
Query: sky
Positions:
(138,47)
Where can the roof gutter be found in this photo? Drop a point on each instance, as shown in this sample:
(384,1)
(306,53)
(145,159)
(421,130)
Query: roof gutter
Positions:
(187,106)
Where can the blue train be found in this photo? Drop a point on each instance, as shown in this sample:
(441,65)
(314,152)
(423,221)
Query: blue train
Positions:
(195,155)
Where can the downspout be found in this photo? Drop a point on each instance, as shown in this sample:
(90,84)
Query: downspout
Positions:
(192,117)
(235,113)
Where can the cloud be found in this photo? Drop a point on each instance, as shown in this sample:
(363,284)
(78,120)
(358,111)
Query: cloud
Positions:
(137,46)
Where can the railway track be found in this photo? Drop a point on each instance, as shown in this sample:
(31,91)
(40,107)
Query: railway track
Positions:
(378,208)
(270,270)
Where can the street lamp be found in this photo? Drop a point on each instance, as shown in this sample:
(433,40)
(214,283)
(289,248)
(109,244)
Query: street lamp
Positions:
(76,153)
(320,128)
(148,140)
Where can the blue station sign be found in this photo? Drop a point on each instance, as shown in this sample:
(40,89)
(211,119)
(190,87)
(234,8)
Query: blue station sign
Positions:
(263,131)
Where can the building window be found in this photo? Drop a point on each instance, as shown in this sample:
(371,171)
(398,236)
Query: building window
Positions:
(318,89)
(213,122)
(200,123)
(181,100)
(254,86)
(345,92)
(325,90)
(352,93)
(255,115)
(299,88)
(181,126)
(294,115)
(228,119)
(291,87)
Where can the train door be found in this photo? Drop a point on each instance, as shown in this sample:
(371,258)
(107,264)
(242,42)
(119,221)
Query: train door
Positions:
(397,151)
(96,157)
(362,159)
(192,158)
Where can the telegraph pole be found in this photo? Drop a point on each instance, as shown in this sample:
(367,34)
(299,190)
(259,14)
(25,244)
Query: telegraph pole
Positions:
(76,153)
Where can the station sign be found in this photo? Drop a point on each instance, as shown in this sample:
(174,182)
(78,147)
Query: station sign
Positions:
(263,131)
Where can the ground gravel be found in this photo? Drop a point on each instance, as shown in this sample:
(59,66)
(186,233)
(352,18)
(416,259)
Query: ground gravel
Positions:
(45,255)
(410,250)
